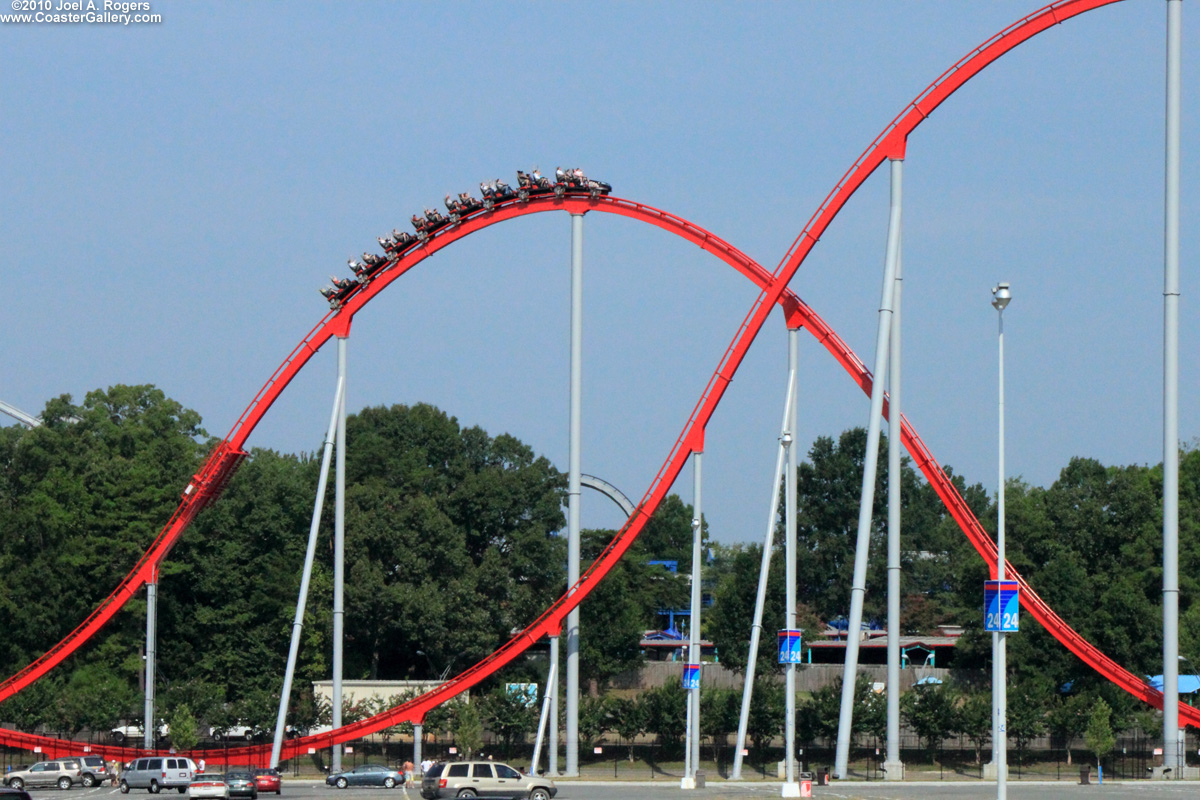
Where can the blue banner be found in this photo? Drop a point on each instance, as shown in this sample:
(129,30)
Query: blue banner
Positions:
(1002,606)
(789,647)
(691,676)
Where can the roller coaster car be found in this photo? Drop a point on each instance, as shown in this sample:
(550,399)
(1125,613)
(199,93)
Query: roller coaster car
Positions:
(398,242)
(494,192)
(597,188)
(428,223)
(344,287)
(529,184)
(570,180)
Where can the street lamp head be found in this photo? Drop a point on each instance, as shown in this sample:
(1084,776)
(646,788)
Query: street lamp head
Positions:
(1001,296)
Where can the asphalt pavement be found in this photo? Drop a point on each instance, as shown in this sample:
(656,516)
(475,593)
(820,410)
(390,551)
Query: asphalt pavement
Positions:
(720,790)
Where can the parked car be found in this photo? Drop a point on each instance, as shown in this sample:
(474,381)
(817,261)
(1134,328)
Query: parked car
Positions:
(241,784)
(238,731)
(156,774)
(209,786)
(484,779)
(14,794)
(123,733)
(268,780)
(63,773)
(367,775)
(93,771)
(296,731)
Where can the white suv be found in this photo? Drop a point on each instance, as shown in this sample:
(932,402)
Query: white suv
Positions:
(123,733)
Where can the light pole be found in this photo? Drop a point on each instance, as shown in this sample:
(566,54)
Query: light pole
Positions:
(1001,297)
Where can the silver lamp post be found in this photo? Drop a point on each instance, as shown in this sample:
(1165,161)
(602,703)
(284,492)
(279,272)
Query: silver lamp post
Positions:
(1001,297)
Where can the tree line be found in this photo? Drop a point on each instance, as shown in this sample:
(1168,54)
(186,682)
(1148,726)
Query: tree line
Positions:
(453,542)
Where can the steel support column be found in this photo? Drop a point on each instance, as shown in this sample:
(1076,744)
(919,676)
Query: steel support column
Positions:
(692,743)
(1171,740)
(151,727)
(870,463)
(781,458)
(573,490)
(339,553)
(549,711)
(790,787)
(418,742)
(999,638)
(893,768)
(552,689)
(305,576)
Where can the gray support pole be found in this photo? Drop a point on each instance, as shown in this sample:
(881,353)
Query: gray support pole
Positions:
(305,575)
(791,788)
(785,440)
(573,491)
(552,690)
(870,462)
(418,742)
(693,733)
(549,709)
(339,553)
(688,781)
(999,639)
(151,647)
(1171,744)
(893,767)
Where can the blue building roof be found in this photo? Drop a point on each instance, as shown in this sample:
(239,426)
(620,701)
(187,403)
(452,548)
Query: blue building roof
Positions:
(1188,684)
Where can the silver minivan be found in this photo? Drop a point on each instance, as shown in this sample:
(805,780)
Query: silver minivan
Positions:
(158,773)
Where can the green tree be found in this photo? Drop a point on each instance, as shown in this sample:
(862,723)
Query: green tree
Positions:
(766,716)
(594,720)
(929,710)
(1099,735)
(449,540)
(666,712)
(719,712)
(629,720)
(1026,717)
(84,494)
(184,728)
(468,728)
(1068,719)
(974,720)
(508,715)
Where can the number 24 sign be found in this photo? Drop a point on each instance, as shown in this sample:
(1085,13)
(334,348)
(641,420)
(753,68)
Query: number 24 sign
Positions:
(1002,606)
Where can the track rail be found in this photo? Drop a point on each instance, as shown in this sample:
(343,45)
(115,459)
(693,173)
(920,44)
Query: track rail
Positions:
(891,143)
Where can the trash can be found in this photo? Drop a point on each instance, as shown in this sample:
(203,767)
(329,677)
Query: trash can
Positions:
(823,777)
(699,779)
(1085,774)
(806,782)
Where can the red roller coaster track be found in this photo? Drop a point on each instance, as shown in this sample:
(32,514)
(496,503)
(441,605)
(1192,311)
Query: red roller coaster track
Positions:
(209,482)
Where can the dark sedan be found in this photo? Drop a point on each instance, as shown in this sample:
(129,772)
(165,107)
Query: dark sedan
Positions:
(241,784)
(367,775)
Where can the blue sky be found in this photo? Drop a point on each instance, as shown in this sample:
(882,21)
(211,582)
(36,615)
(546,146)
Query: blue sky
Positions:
(171,197)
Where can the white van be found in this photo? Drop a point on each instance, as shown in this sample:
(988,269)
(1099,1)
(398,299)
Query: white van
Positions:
(158,773)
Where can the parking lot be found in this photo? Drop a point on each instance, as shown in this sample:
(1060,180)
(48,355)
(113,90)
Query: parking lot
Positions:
(634,790)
